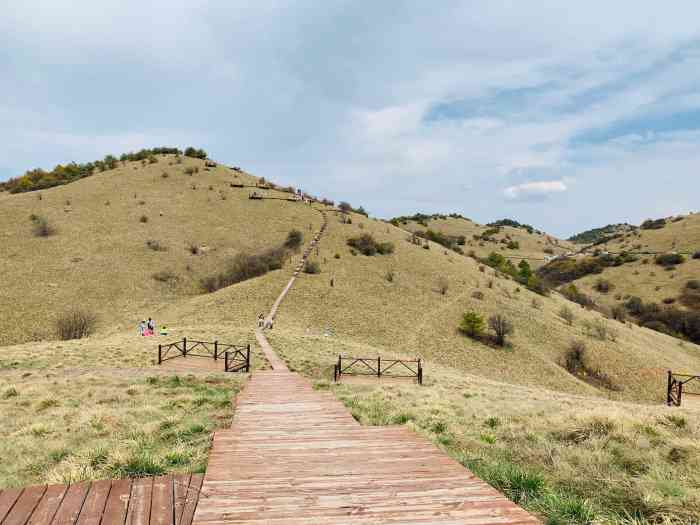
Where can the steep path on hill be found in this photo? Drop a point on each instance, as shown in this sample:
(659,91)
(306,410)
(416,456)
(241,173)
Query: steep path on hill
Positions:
(296,456)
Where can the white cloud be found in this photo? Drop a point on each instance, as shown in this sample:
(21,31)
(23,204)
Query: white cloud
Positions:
(534,190)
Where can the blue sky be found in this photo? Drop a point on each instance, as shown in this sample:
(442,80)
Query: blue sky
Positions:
(565,117)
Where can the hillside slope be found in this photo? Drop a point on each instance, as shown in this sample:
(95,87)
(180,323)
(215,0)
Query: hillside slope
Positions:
(644,278)
(98,257)
(515,243)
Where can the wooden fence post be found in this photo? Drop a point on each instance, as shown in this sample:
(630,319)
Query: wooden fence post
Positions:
(184,347)
(226,361)
(216,350)
(160,355)
(379,366)
(668,389)
(247,359)
(420,373)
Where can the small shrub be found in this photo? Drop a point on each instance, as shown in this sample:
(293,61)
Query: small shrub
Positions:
(336,256)
(164,175)
(294,240)
(566,314)
(367,245)
(603,286)
(155,246)
(693,284)
(390,275)
(472,324)
(166,276)
(574,357)
(502,327)
(426,246)
(478,294)
(143,219)
(696,255)
(193,249)
(669,259)
(312,267)
(536,304)
(41,228)
(619,313)
(75,324)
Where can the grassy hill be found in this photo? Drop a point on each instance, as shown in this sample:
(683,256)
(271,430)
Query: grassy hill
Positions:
(515,243)
(658,262)
(407,301)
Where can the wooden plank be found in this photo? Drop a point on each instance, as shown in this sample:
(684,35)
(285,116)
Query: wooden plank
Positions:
(193,494)
(71,505)
(49,504)
(117,503)
(8,497)
(25,505)
(94,505)
(180,489)
(139,512)
(162,507)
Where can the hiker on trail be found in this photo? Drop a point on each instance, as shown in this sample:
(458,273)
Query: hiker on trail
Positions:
(150,327)
(261,321)
(142,328)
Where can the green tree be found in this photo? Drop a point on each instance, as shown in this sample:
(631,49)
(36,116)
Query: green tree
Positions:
(472,324)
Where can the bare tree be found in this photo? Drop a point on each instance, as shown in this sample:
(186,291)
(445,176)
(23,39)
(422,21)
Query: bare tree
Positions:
(502,328)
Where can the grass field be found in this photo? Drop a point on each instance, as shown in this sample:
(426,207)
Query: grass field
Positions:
(62,427)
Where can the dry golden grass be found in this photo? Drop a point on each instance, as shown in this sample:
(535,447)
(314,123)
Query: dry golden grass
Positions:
(569,458)
(62,427)
(531,245)
(98,258)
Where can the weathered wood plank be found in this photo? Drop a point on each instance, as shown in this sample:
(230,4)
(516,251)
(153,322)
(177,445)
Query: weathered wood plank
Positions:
(8,497)
(139,512)
(117,503)
(24,506)
(71,505)
(94,505)
(49,504)
(180,489)
(193,496)
(162,507)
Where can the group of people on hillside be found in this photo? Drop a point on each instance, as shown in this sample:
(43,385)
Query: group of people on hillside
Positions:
(148,328)
(264,323)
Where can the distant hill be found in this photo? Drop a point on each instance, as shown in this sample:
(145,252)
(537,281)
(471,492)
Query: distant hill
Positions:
(506,237)
(595,235)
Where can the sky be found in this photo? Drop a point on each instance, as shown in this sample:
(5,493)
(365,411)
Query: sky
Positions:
(563,116)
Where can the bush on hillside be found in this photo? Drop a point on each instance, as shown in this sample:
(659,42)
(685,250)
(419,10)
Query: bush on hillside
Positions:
(294,240)
(575,363)
(41,227)
(154,245)
(195,153)
(312,267)
(669,259)
(603,286)
(696,255)
(367,245)
(75,324)
(522,273)
(472,324)
(572,293)
(653,224)
(690,295)
(245,266)
(448,241)
(502,327)
(566,314)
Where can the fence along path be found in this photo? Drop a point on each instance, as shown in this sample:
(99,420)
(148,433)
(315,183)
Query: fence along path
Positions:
(297,456)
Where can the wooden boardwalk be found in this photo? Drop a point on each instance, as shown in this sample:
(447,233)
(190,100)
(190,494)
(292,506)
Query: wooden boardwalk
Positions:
(297,456)
(164,500)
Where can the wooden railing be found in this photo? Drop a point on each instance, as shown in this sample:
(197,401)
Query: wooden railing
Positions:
(236,357)
(676,388)
(369,366)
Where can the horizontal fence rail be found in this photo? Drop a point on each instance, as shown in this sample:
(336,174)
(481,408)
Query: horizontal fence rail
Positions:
(236,357)
(676,387)
(376,366)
